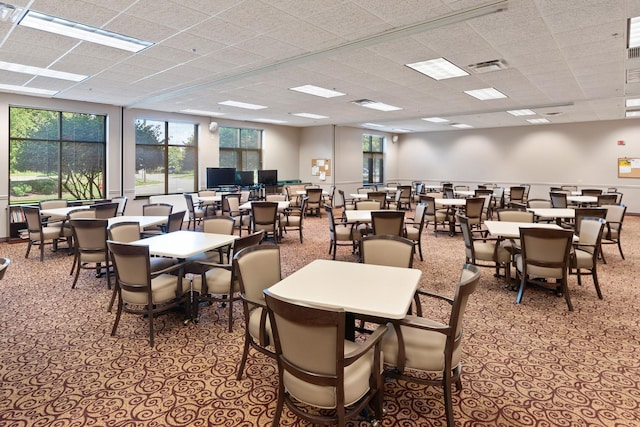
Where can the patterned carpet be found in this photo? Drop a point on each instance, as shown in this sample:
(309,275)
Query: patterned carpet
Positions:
(533,364)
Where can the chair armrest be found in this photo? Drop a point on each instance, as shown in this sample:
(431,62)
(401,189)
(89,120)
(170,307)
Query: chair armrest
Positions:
(168,269)
(434,295)
(211,265)
(443,329)
(372,341)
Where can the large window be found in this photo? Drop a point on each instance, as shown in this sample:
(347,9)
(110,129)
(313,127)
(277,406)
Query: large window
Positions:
(241,149)
(372,159)
(166,157)
(55,154)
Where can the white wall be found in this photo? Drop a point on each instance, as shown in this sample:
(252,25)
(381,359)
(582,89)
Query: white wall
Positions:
(585,154)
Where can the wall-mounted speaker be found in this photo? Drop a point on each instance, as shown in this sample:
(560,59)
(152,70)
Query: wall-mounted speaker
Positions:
(213,126)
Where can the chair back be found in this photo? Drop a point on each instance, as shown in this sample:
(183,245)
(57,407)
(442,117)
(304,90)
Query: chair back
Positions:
(276,198)
(473,209)
(448,192)
(315,197)
(365,190)
(244,196)
(418,219)
(591,234)
(367,205)
(53,203)
(594,192)
(387,222)
(90,235)
(207,193)
(190,206)
(545,252)
(430,211)
(122,204)
(479,192)
(264,216)
(569,188)
(258,268)
(338,199)
(615,217)
(174,223)
(124,232)
(378,196)
(106,210)
(467,237)
(157,209)
(539,203)
(469,278)
(4,264)
(607,199)
(516,194)
(133,271)
(81,213)
(249,240)
(581,213)
(32,218)
(218,225)
(332,221)
(558,199)
(515,215)
(230,204)
(389,250)
(405,193)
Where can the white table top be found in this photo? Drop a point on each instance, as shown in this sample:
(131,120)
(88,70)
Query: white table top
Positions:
(553,212)
(183,243)
(144,221)
(62,211)
(281,205)
(582,199)
(451,202)
(355,215)
(465,193)
(210,199)
(511,230)
(359,195)
(304,192)
(367,289)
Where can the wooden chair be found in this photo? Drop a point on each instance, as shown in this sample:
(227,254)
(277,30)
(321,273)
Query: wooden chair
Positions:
(39,234)
(90,247)
(378,196)
(341,233)
(156,209)
(484,251)
(196,212)
(585,252)
(314,201)
(106,210)
(413,227)
(122,204)
(558,199)
(318,366)
(473,209)
(264,217)
(613,229)
(139,290)
(428,352)
(389,250)
(293,218)
(545,255)
(258,268)
(218,282)
(516,195)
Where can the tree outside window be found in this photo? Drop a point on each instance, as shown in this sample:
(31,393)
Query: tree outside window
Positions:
(166,157)
(54,154)
(372,159)
(241,149)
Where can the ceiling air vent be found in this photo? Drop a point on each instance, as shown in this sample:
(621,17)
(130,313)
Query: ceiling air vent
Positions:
(485,67)
(633,75)
(633,53)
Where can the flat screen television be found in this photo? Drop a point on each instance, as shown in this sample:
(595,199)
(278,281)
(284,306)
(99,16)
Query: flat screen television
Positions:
(268,177)
(219,177)
(244,178)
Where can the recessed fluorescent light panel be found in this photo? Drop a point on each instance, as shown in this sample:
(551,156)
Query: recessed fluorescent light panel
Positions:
(376,105)
(29,90)
(43,72)
(242,105)
(485,94)
(317,91)
(435,120)
(274,121)
(9,13)
(438,69)
(521,112)
(372,125)
(538,121)
(202,112)
(52,24)
(634,32)
(309,115)
(461,126)
(632,114)
(401,130)
(634,102)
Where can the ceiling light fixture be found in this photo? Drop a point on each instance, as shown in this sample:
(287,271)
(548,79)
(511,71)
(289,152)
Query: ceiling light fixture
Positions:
(380,106)
(538,121)
(29,90)
(242,105)
(309,115)
(52,24)
(317,91)
(524,112)
(485,94)
(633,102)
(372,125)
(633,37)
(42,72)
(632,114)
(461,126)
(202,112)
(273,121)
(9,13)
(438,69)
(435,120)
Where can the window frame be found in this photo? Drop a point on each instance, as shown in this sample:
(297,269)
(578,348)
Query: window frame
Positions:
(61,142)
(241,152)
(370,155)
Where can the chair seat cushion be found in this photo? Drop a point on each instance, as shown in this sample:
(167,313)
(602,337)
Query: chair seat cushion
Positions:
(356,382)
(218,281)
(344,233)
(582,259)
(413,233)
(424,350)
(254,325)
(163,290)
(537,271)
(484,251)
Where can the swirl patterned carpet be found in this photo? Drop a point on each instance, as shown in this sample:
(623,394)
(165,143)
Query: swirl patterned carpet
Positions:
(533,364)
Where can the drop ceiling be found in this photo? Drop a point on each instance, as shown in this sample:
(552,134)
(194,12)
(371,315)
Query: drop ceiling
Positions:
(566,60)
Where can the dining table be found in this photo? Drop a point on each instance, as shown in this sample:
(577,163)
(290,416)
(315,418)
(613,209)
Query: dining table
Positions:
(371,290)
(558,214)
(511,230)
(452,205)
(62,212)
(282,206)
(582,200)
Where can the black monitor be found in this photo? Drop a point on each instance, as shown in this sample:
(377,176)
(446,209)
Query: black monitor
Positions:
(244,178)
(268,177)
(219,177)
